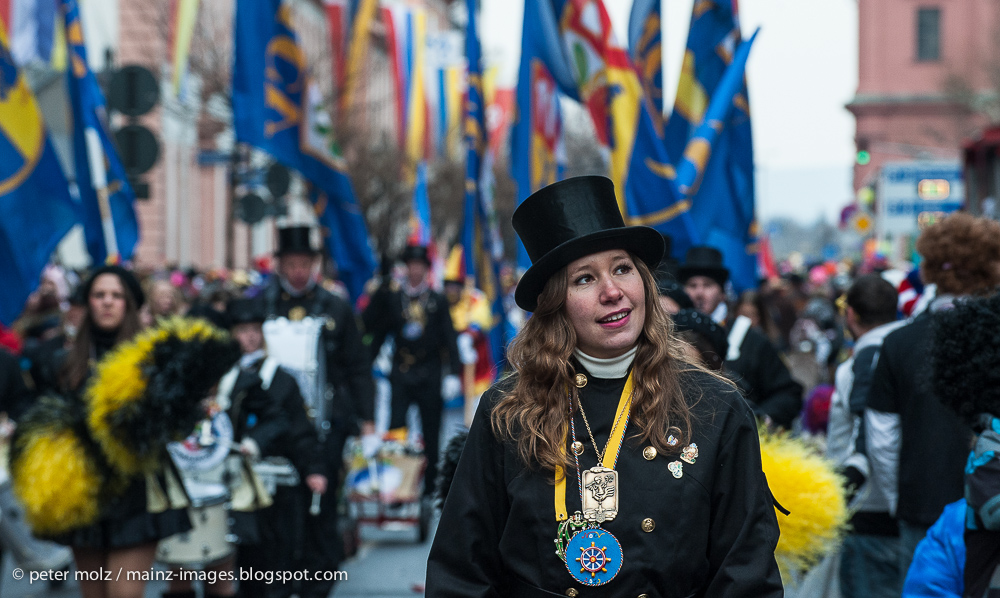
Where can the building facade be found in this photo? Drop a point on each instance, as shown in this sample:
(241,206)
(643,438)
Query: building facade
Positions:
(927,71)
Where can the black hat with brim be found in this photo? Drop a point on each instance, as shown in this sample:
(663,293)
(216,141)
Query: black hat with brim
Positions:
(244,311)
(572,219)
(295,240)
(415,253)
(703,261)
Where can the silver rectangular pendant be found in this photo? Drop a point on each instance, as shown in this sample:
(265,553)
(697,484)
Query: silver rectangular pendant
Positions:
(600,494)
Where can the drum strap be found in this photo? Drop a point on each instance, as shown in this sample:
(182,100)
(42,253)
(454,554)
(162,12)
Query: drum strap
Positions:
(226,385)
(267,371)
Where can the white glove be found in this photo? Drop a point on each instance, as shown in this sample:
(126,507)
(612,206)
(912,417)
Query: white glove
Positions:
(467,349)
(370,444)
(249,448)
(451,387)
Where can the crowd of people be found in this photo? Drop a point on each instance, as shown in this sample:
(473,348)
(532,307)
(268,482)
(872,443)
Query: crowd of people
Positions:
(674,370)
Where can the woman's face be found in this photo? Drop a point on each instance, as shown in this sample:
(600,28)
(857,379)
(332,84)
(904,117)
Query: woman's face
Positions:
(107,302)
(605,303)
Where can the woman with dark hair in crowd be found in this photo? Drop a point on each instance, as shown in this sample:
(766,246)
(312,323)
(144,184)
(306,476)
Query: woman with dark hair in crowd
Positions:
(607,458)
(125,534)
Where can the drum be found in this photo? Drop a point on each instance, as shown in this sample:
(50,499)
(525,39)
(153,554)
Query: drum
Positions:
(208,541)
(276,471)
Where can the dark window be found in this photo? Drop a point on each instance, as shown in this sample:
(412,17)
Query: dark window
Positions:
(928,34)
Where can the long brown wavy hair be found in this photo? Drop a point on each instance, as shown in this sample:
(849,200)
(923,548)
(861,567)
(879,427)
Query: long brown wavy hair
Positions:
(76,369)
(534,414)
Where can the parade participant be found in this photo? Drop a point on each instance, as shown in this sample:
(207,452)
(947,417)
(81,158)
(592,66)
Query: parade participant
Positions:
(472,318)
(961,255)
(869,563)
(673,297)
(257,421)
(707,338)
(607,464)
(964,356)
(90,467)
(348,393)
(752,360)
(280,526)
(425,344)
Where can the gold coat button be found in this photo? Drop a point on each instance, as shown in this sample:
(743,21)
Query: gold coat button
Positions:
(581,380)
(643,596)
(572,592)
(649,453)
(648,525)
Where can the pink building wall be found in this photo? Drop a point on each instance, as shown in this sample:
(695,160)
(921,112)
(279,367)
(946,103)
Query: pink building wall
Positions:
(902,106)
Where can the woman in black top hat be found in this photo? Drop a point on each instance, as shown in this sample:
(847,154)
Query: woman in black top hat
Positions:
(607,464)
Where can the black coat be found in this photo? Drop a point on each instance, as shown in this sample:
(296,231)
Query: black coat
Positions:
(934,442)
(348,371)
(249,399)
(765,380)
(715,527)
(15,398)
(417,359)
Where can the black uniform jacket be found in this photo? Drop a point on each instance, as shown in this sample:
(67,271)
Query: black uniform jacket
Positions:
(416,360)
(711,532)
(248,398)
(348,368)
(765,380)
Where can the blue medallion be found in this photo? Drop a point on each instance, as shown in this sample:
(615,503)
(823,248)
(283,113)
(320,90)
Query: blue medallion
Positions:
(594,557)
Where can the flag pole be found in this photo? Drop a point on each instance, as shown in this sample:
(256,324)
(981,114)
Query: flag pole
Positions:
(99,178)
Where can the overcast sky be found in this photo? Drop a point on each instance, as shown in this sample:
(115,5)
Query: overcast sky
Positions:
(802,71)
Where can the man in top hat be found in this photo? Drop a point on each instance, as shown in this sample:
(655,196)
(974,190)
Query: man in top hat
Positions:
(425,345)
(751,361)
(281,526)
(349,391)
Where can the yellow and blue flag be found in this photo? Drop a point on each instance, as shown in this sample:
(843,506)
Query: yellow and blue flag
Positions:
(271,112)
(719,174)
(645,43)
(481,231)
(109,221)
(36,208)
(574,42)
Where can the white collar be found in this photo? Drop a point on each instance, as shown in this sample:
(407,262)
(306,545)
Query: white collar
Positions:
(248,360)
(611,368)
(297,292)
(720,313)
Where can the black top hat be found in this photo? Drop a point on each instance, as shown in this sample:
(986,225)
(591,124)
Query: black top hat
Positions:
(295,239)
(415,252)
(244,311)
(704,261)
(572,219)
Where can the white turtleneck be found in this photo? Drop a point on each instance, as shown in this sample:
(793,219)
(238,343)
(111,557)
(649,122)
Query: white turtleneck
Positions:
(610,368)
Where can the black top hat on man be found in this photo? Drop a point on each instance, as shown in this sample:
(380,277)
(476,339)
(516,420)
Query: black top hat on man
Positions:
(295,239)
(415,253)
(706,261)
(244,311)
(571,219)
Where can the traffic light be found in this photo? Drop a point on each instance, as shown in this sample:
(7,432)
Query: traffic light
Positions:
(864,157)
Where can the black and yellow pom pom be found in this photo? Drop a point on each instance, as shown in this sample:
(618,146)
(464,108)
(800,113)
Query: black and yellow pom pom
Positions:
(53,475)
(806,484)
(146,392)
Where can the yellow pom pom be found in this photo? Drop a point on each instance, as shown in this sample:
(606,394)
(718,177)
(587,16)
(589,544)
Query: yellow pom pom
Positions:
(805,483)
(56,483)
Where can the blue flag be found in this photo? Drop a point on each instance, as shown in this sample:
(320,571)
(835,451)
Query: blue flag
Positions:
(106,196)
(36,209)
(481,235)
(270,112)
(720,187)
(574,42)
(645,44)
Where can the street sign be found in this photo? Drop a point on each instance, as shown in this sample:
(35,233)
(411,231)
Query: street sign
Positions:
(251,208)
(912,195)
(278,179)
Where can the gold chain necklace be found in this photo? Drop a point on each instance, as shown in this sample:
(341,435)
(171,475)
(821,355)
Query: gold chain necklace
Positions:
(600,454)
